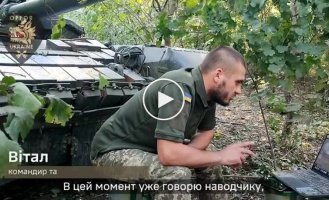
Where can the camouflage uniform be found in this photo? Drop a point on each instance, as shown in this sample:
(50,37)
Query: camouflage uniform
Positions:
(136,157)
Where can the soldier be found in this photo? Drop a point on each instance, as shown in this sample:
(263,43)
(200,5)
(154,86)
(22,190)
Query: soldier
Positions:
(172,148)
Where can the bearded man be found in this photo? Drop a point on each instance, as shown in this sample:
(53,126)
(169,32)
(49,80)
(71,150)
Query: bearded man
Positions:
(177,146)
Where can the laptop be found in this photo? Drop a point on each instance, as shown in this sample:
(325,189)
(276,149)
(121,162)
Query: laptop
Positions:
(312,182)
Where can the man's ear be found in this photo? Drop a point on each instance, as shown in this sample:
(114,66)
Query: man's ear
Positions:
(218,73)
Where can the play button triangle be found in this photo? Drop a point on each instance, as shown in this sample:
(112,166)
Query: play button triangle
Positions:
(163,99)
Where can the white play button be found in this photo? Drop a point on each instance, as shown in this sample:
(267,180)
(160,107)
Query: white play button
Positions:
(152,104)
(163,99)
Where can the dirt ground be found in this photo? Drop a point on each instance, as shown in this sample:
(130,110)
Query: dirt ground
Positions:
(243,121)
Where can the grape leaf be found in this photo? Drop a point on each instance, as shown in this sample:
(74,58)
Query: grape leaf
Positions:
(22,97)
(57,29)
(275,68)
(281,49)
(8,80)
(299,31)
(19,121)
(311,49)
(268,51)
(103,82)
(3,89)
(40,98)
(6,145)
(61,22)
(321,5)
(5,83)
(58,112)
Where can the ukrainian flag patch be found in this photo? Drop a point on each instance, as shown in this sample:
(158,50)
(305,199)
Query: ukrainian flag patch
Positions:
(187,97)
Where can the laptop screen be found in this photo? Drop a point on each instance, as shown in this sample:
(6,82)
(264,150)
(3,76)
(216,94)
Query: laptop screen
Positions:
(321,163)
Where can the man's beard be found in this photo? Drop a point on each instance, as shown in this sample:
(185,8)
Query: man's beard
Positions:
(218,95)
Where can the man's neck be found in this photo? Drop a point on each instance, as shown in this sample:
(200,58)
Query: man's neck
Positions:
(206,82)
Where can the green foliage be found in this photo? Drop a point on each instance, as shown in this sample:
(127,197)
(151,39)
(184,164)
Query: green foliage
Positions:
(58,112)
(263,31)
(5,83)
(23,107)
(103,82)
(8,80)
(118,21)
(278,105)
(6,145)
(217,135)
(21,111)
(22,97)
(162,28)
(19,121)
(191,3)
(58,28)
(261,166)
(274,123)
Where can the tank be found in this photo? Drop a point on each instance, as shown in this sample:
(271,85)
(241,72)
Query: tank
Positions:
(70,69)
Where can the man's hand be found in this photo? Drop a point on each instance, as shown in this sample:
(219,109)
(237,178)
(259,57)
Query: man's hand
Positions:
(178,154)
(236,154)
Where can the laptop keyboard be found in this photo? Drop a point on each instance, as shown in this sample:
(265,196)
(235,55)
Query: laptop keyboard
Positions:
(313,179)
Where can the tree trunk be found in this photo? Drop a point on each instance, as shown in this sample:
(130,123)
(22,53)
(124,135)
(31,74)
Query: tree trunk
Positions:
(294,13)
(286,130)
(172,8)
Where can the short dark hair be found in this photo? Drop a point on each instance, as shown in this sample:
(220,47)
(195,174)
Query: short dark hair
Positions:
(221,56)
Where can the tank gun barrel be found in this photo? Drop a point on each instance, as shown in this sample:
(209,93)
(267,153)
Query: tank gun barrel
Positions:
(47,8)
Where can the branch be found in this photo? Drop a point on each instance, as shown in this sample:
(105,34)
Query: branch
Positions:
(137,19)
(264,120)
(148,15)
(164,5)
(294,13)
(157,7)
(130,12)
(124,24)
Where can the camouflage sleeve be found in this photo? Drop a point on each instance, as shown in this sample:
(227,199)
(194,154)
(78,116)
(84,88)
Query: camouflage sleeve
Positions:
(209,121)
(172,129)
